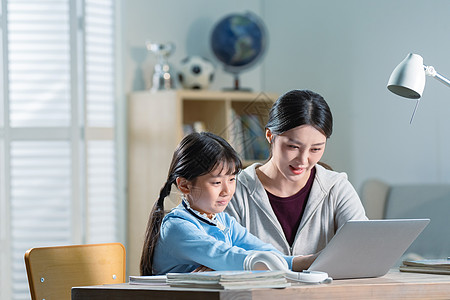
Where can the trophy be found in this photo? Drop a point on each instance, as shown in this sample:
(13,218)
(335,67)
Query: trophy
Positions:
(163,79)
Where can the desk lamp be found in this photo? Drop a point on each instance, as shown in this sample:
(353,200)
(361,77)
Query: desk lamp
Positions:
(408,78)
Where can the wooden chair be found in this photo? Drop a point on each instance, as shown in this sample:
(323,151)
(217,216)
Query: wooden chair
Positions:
(53,271)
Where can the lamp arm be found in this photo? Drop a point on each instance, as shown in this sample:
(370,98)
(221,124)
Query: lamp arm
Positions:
(430,71)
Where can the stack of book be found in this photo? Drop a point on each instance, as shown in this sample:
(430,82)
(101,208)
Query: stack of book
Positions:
(217,280)
(433,266)
(229,279)
(148,280)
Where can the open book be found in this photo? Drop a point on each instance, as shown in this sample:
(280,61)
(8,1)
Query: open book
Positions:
(434,266)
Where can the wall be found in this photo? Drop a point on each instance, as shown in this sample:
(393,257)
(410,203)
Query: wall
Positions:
(345,50)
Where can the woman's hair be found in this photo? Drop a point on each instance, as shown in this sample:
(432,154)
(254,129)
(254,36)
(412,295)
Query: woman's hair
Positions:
(196,155)
(300,107)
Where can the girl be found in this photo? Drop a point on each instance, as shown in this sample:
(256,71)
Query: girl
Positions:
(291,201)
(197,235)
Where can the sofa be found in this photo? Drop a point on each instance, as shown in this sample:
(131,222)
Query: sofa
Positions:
(385,201)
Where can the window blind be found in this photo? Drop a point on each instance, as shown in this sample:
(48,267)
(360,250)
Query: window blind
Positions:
(60,138)
(102,207)
(40,201)
(39,96)
(39,63)
(100,119)
(100,63)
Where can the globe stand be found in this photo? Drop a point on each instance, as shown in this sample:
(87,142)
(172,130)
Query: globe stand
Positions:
(237,87)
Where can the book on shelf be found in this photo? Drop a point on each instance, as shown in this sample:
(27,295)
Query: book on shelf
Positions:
(247,136)
(229,279)
(432,266)
(255,144)
(236,137)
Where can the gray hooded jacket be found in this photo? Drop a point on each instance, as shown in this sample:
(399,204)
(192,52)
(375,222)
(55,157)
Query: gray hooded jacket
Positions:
(332,202)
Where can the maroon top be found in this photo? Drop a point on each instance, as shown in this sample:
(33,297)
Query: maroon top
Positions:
(289,210)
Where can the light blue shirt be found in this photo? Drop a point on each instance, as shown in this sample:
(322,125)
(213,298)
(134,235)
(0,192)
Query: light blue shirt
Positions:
(188,240)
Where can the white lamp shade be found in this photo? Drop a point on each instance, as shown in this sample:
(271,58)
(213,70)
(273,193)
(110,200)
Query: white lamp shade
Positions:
(408,78)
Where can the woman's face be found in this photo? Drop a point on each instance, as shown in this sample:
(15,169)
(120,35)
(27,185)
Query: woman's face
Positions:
(296,151)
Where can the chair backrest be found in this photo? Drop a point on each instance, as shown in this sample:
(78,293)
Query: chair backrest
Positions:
(374,196)
(53,271)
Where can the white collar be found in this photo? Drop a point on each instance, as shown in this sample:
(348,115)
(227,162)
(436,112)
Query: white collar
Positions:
(202,216)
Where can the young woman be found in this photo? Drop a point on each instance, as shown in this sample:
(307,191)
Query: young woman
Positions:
(197,235)
(291,201)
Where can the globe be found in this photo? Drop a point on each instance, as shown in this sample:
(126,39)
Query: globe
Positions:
(239,42)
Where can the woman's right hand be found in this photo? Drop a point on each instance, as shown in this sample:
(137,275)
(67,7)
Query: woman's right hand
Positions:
(303,262)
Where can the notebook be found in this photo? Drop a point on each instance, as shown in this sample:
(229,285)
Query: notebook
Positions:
(367,248)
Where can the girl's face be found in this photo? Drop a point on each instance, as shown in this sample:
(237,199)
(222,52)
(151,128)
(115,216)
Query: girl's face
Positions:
(296,151)
(211,193)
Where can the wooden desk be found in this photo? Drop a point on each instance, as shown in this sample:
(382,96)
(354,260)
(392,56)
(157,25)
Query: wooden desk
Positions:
(393,285)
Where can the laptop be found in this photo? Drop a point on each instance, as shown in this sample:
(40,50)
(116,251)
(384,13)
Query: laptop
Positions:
(367,248)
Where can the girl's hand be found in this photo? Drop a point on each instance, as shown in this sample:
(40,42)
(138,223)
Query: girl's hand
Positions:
(202,269)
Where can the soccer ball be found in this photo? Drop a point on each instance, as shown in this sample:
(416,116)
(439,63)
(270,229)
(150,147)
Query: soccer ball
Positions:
(196,73)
